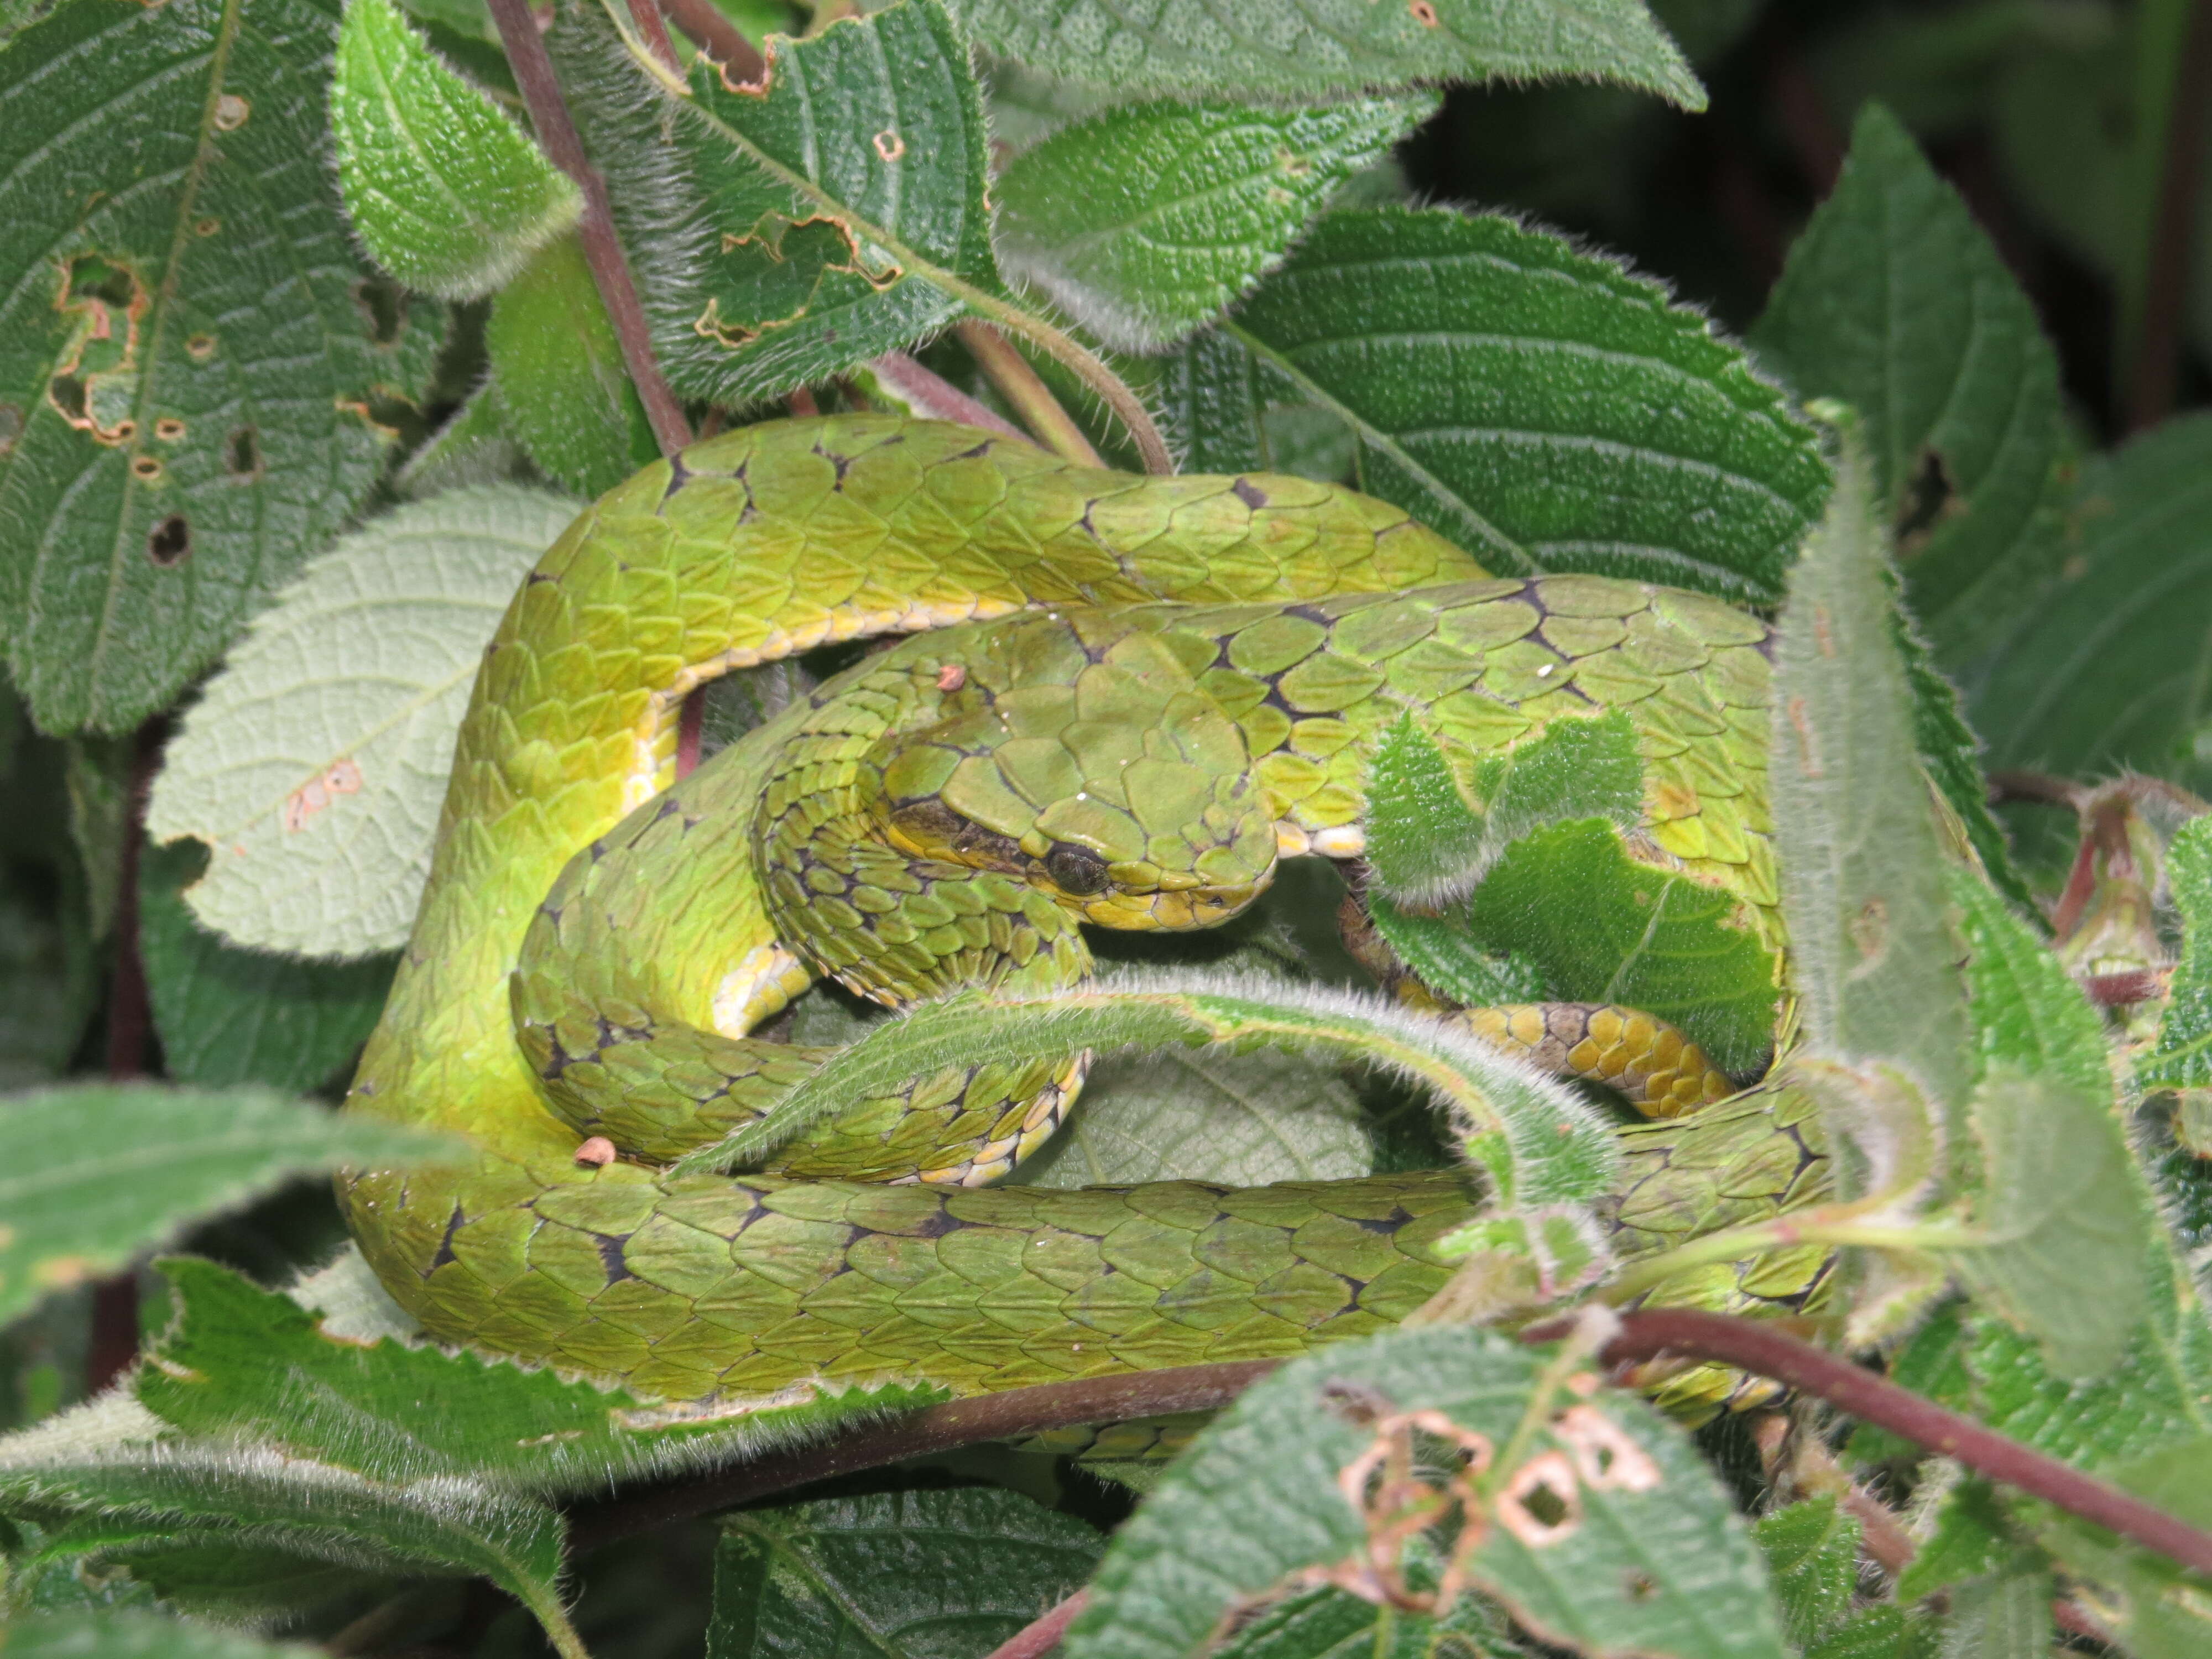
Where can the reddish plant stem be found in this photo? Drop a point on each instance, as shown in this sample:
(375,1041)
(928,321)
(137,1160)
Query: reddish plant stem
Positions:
(1035,1640)
(719,37)
(1005,1416)
(113,1342)
(2151,377)
(936,398)
(1763,1351)
(691,727)
(653,31)
(602,254)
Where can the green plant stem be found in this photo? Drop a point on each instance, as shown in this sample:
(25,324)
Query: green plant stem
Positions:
(1837,1226)
(1026,393)
(602,254)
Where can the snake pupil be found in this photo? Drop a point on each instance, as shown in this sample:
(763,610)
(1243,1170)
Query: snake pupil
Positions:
(1075,870)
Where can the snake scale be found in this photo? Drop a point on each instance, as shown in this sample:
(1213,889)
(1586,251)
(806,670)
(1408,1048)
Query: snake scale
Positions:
(1127,697)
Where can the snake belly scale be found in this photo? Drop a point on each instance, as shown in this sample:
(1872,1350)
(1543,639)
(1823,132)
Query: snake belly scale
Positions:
(775,538)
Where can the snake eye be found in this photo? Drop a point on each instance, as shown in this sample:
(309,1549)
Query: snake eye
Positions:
(1076,870)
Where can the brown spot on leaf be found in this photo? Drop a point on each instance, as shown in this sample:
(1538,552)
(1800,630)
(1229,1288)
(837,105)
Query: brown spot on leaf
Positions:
(96,379)
(58,1272)
(1542,1503)
(1870,931)
(889,145)
(169,542)
(241,455)
(1930,497)
(231,112)
(200,347)
(1425,14)
(206,227)
(145,468)
(312,796)
(168,429)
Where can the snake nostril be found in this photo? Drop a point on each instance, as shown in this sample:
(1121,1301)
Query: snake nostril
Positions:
(1076,870)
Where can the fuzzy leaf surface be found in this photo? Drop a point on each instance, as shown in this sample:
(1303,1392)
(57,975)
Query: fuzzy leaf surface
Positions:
(1813,1552)
(314,763)
(1895,302)
(1543,409)
(229,1016)
(907,1575)
(1306,49)
(2182,1058)
(101,1171)
(137,1636)
(1862,872)
(440,183)
(1147,220)
(2100,673)
(1652,1558)
(189,357)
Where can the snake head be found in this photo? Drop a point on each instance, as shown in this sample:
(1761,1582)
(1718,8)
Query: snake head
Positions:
(1115,786)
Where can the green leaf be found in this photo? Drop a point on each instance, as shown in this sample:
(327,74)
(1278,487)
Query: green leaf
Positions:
(906,1575)
(1328,1624)
(1881,1631)
(2004,1616)
(1309,48)
(1243,1120)
(50,975)
(135,1636)
(2100,673)
(1813,1552)
(439,182)
(1441,952)
(1971,1537)
(2182,1058)
(786,235)
(190,351)
(1862,872)
(1598,926)
(1895,302)
(228,1016)
(314,763)
(2164,1611)
(1645,1553)
(101,1171)
(1542,408)
(472,447)
(558,371)
(1145,222)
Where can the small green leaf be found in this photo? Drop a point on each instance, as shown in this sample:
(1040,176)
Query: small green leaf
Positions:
(101,1171)
(906,1575)
(2182,1058)
(443,187)
(2100,673)
(1895,302)
(192,353)
(1424,837)
(1862,871)
(1441,952)
(1635,1548)
(1882,1632)
(1145,222)
(1813,1552)
(1972,1538)
(1307,49)
(558,373)
(229,1016)
(2005,1615)
(1599,927)
(136,1636)
(314,763)
(1542,408)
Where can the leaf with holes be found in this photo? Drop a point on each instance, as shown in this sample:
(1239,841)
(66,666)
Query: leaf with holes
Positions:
(1543,409)
(792,231)
(192,355)
(1145,222)
(444,188)
(315,762)
(899,1575)
(1308,49)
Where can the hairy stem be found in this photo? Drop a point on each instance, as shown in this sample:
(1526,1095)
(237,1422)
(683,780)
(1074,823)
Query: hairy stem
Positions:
(602,254)
(717,37)
(1024,390)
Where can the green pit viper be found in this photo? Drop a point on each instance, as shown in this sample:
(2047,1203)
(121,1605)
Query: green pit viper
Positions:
(1185,680)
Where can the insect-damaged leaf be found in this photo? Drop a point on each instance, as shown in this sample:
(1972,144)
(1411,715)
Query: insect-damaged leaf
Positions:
(192,354)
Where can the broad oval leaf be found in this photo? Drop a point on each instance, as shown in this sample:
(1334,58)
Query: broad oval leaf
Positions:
(442,186)
(314,764)
(1544,409)
(190,351)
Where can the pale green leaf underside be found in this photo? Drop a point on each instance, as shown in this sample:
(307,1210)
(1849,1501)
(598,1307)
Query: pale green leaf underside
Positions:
(1145,222)
(315,762)
(1310,48)
(439,181)
(1543,409)
(101,1171)
(137,1636)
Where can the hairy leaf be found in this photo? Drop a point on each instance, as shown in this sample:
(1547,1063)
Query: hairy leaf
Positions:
(314,763)
(1145,221)
(1862,872)
(1813,1551)
(1895,302)
(190,351)
(1544,409)
(1633,1549)
(131,1635)
(229,1016)
(1306,48)
(2164,1611)
(440,184)
(906,1575)
(101,1171)
(2182,1058)
(2100,673)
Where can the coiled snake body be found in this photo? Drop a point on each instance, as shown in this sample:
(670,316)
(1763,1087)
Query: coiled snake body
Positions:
(591,951)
